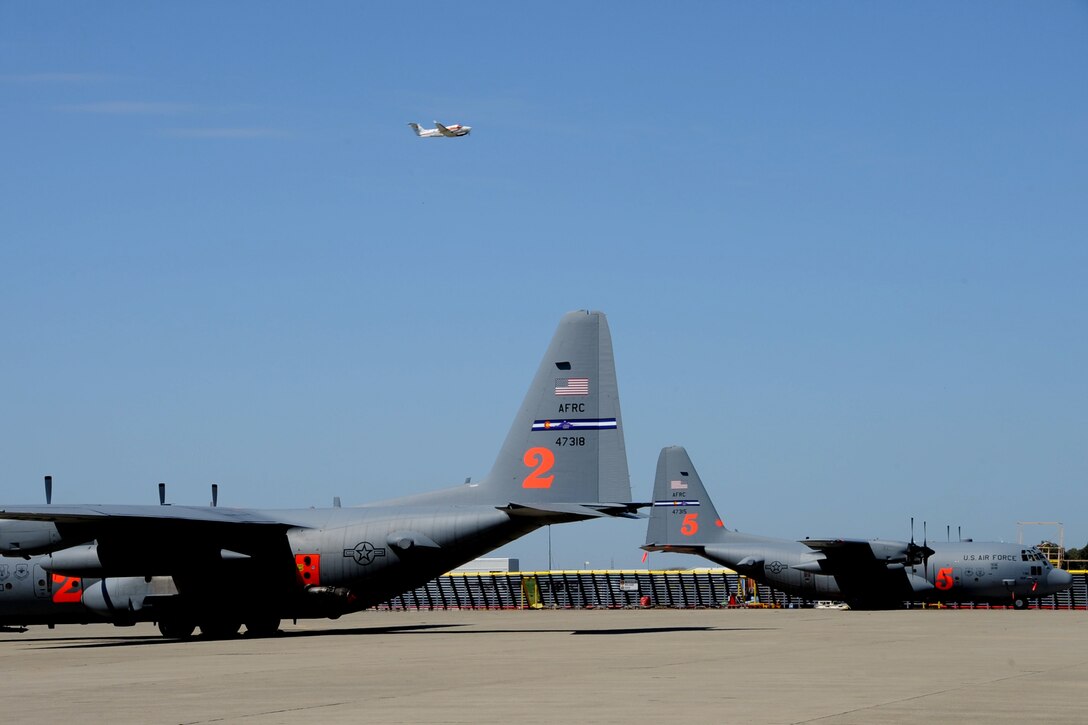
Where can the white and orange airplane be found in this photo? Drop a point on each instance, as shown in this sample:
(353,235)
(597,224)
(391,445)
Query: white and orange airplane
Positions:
(440,130)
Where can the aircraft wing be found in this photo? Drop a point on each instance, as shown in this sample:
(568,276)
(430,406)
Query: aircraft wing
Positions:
(443,130)
(869,571)
(98,514)
(862,552)
(163,540)
(844,554)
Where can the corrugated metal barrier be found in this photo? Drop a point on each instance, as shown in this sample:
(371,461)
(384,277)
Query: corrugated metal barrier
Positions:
(634,588)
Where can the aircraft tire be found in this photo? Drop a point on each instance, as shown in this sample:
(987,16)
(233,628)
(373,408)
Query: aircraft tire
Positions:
(262,627)
(220,628)
(1019,603)
(176,629)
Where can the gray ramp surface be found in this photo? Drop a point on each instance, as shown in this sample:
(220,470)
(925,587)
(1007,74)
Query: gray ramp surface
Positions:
(641,666)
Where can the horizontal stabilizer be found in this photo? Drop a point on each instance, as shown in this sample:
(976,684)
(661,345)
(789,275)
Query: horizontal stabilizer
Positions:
(573,511)
(675,548)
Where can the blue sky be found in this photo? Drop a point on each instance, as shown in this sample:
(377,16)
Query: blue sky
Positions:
(842,247)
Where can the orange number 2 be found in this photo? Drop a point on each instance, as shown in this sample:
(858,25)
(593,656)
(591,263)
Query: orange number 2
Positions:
(543,459)
(944,578)
(689,525)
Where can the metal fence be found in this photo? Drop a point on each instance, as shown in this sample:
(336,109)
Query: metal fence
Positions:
(635,588)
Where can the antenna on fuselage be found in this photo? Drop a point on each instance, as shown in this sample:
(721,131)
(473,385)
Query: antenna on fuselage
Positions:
(48,489)
(215,495)
(162,494)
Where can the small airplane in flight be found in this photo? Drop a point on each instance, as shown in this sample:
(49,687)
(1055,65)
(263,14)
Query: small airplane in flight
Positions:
(866,574)
(439,130)
(563,460)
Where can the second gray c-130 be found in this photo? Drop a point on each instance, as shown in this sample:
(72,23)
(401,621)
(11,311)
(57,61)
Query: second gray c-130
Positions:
(866,574)
(563,460)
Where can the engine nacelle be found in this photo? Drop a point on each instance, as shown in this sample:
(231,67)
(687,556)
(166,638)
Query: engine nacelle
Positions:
(119,598)
(75,561)
(20,538)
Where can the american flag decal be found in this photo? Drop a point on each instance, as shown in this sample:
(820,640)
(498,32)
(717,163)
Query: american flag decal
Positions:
(677,485)
(572,386)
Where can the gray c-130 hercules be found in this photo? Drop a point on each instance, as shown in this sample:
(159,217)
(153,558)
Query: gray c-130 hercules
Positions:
(866,574)
(563,460)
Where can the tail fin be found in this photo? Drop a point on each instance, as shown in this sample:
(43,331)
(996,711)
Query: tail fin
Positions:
(415,127)
(565,451)
(683,517)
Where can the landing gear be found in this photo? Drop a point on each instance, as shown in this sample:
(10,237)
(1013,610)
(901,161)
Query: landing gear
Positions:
(262,627)
(176,628)
(220,628)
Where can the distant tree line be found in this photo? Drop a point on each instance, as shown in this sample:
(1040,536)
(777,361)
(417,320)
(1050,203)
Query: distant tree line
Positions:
(1075,554)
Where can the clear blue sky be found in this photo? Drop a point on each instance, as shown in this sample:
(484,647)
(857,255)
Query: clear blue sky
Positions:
(842,246)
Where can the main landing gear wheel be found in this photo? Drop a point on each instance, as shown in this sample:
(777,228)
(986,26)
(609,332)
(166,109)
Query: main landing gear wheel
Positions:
(1019,603)
(220,628)
(263,627)
(176,629)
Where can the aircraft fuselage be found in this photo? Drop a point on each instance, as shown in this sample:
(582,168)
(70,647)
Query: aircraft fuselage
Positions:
(997,573)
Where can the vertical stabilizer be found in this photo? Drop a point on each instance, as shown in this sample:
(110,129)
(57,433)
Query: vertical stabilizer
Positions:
(682,513)
(566,443)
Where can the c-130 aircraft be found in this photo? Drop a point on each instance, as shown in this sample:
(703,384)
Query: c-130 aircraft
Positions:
(866,574)
(563,460)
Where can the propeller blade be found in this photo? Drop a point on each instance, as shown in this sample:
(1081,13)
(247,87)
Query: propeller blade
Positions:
(925,550)
(48,489)
(162,494)
(215,494)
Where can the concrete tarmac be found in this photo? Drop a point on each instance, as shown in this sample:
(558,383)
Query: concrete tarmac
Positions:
(636,666)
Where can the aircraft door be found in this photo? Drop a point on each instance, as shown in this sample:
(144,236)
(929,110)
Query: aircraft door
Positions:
(42,583)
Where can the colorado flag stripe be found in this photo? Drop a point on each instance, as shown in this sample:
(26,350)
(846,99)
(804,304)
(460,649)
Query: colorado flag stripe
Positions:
(584,424)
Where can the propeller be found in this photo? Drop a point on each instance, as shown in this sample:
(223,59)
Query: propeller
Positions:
(215,495)
(926,551)
(48,489)
(919,554)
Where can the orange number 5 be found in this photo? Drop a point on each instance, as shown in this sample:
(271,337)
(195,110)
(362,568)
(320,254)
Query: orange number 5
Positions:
(543,459)
(689,525)
(944,579)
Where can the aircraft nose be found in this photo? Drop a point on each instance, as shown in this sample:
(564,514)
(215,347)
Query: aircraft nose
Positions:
(1059,579)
